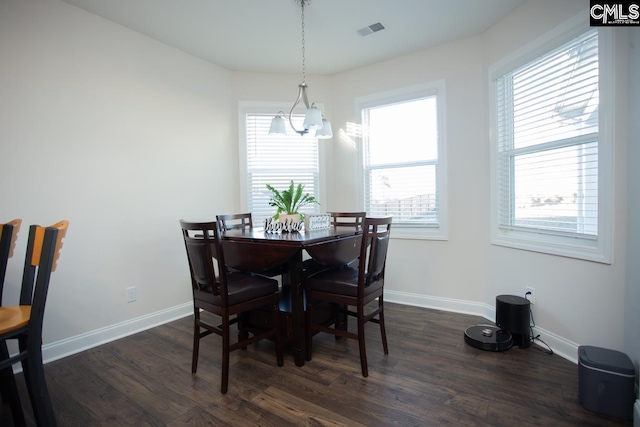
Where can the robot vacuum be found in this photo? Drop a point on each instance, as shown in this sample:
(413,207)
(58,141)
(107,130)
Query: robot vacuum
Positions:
(488,337)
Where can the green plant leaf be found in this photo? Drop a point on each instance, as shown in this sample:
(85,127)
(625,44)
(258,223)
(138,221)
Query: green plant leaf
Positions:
(289,201)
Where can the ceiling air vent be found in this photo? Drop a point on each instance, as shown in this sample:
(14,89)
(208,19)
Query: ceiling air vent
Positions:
(373,28)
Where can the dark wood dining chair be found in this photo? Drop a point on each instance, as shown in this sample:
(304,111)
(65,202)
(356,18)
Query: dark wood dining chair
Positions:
(335,255)
(347,219)
(242,221)
(353,286)
(24,323)
(226,292)
(8,238)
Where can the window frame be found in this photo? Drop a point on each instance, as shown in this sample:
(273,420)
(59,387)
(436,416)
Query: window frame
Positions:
(271,108)
(406,94)
(598,249)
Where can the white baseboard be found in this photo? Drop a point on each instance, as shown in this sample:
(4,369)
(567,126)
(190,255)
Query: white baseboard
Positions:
(73,345)
(59,349)
(560,346)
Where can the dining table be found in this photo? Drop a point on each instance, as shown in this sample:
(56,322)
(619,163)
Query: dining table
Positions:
(329,247)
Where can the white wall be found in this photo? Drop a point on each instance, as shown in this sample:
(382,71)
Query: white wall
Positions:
(130,135)
(121,135)
(577,302)
(431,269)
(632,295)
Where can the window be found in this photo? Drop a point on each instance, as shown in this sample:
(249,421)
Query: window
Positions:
(403,159)
(275,160)
(548,148)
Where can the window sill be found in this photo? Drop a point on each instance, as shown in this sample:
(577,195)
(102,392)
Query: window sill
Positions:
(588,250)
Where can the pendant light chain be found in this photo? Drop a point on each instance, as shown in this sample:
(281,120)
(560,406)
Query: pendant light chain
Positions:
(304,70)
(313,119)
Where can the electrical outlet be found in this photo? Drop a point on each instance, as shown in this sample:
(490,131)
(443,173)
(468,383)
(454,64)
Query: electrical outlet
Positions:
(131,294)
(530,294)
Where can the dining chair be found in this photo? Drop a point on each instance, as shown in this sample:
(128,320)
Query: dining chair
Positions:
(336,255)
(346,219)
(24,323)
(353,286)
(8,237)
(226,292)
(242,221)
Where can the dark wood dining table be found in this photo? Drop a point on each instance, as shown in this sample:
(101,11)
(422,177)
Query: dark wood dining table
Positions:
(331,246)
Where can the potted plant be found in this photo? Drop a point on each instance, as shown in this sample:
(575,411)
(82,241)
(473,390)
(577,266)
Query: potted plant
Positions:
(289,201)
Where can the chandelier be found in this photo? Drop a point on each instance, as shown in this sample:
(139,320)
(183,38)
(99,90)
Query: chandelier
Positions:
(313,118)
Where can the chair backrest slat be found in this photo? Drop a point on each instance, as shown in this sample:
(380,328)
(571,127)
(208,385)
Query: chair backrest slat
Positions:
(62,227)
(43,252)
(9,236)
(242,221)
(347,218)
(373,252)
(9,232)
(204,254)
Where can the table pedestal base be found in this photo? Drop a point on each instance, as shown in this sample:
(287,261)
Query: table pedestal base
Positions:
(260,320)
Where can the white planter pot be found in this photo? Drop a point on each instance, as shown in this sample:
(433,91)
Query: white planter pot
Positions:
(293,218)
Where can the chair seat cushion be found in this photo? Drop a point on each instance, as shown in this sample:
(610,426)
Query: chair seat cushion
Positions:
(343,281)
(14,317)
(241,287)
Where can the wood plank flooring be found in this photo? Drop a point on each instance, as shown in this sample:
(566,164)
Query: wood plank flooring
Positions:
(430,377)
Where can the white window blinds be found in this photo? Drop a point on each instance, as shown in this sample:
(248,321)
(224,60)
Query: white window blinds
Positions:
(547,156)
(276,160)
(401,161)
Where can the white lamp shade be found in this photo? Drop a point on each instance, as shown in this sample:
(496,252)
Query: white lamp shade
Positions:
(278,126)
(313,118)
(325,132)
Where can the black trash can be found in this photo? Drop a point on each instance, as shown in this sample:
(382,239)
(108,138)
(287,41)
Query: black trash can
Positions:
(606,380)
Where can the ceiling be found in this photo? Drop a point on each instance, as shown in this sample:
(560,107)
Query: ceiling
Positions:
(265,35)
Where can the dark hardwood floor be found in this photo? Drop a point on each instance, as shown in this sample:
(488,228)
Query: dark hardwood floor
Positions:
(430,377)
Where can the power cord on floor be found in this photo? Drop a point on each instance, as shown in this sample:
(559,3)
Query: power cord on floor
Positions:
(533,338)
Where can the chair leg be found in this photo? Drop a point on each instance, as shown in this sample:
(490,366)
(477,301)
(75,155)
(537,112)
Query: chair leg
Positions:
(383,331)
(242,332)
(341,318)
(361,345)
(278,334)
(196,341)
(225,353)
(9,389)
(33,369)
(308,330)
